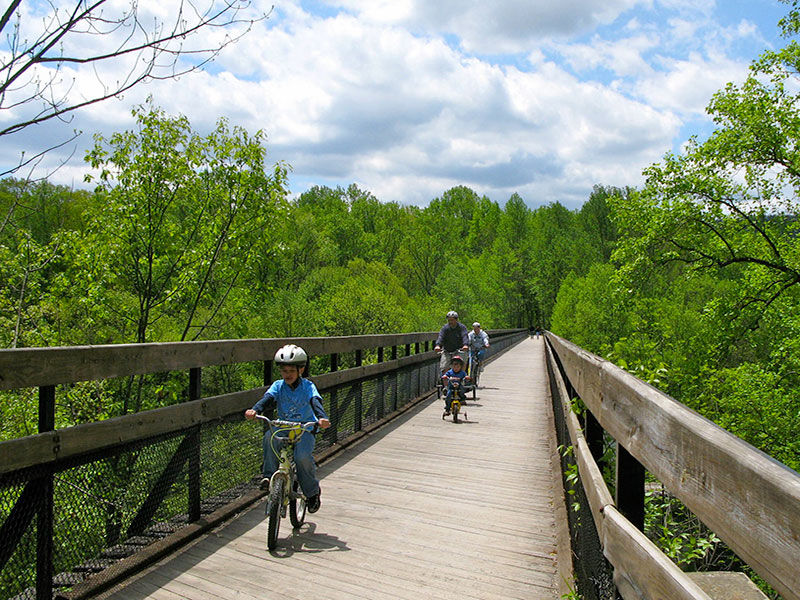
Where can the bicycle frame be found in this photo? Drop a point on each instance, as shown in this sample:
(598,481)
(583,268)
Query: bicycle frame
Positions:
(474,365)
(284,490)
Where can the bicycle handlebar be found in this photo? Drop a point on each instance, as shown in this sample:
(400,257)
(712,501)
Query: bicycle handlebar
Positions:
(289,424)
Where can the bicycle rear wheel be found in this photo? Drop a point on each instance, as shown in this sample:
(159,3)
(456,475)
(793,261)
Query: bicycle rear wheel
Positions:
(297,505)
(274,511)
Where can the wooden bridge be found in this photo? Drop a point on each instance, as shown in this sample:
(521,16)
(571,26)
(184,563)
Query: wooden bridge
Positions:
(412,506)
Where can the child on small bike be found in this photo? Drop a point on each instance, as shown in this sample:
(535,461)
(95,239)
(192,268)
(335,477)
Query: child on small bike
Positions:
(456,372)
(296,399)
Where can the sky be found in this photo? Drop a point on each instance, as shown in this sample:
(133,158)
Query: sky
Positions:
(409,98)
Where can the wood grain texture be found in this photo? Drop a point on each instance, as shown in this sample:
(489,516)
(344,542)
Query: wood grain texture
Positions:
(426,509)
(748,499)
(33,367)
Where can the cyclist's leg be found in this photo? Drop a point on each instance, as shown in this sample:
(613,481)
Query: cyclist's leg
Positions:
(306,467)
(445,361)
(447,398)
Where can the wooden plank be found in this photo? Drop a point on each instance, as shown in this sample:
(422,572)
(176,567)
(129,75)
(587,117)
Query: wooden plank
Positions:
(427,509)
(35,367)
(641,570)
(749,500)
(89,437)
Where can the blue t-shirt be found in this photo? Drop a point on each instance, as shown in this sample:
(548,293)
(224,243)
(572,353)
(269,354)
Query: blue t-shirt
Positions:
(461,374)
(301,404)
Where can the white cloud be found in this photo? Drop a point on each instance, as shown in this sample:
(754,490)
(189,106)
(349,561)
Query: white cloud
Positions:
(686,86)
(492,27)
(377,95)
(624,57)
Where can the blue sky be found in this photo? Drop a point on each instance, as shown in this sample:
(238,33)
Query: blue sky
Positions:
(407,98)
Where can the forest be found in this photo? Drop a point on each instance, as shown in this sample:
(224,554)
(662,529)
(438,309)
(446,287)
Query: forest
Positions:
(689,282)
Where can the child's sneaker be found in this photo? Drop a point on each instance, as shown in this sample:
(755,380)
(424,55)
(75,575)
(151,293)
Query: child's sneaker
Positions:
(313,503)
(264,484)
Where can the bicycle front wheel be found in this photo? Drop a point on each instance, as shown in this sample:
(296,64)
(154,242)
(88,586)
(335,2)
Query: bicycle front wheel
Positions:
(297,506)
(274,511)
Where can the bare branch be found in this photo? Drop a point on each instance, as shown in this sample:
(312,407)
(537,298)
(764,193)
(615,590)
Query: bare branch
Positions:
(31,72)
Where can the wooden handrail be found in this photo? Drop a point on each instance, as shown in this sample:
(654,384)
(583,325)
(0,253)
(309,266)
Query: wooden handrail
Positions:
(751,501)
(53,446)
(35,367)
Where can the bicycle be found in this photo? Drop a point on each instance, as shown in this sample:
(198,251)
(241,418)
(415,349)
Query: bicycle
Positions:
(284,487)
(451,353)
(474,368)
(455,400)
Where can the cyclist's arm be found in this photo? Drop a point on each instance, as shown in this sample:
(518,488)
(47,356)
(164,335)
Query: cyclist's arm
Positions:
(267,403)
(316,406)
(319,411)
(439,344)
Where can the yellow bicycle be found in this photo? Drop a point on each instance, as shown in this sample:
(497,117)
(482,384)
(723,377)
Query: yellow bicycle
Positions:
(455,400)
(284,487)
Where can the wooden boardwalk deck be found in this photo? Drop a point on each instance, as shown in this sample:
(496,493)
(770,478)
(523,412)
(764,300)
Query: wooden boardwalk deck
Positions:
(422,509)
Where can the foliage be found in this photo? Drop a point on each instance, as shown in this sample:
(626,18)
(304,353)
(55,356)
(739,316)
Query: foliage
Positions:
(681,536)
(189,213)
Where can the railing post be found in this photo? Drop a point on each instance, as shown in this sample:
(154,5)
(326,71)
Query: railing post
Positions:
(358,399)
(593,432)
(193,464)
(394,380)
(333,408)
(44,520)
(380,392)
(630,487)
(267,372)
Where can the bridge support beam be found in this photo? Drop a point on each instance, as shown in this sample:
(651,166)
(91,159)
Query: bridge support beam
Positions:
(630,487)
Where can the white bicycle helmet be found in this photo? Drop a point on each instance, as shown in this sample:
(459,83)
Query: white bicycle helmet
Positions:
(453,314)
(291,355)
(476,324)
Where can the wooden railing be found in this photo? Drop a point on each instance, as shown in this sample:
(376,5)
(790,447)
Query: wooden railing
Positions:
(30,465)
(749,500)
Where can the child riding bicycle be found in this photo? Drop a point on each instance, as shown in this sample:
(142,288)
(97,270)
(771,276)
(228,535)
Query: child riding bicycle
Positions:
(297,399)
(454,380)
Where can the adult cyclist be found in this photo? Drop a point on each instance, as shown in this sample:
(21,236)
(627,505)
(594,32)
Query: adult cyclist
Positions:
(478,343)
(452,338)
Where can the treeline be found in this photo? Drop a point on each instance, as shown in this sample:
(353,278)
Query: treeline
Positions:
(188,236)
(205,243)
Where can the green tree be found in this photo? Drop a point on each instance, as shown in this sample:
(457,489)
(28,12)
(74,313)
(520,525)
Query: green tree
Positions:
(596,219)
(178,218)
